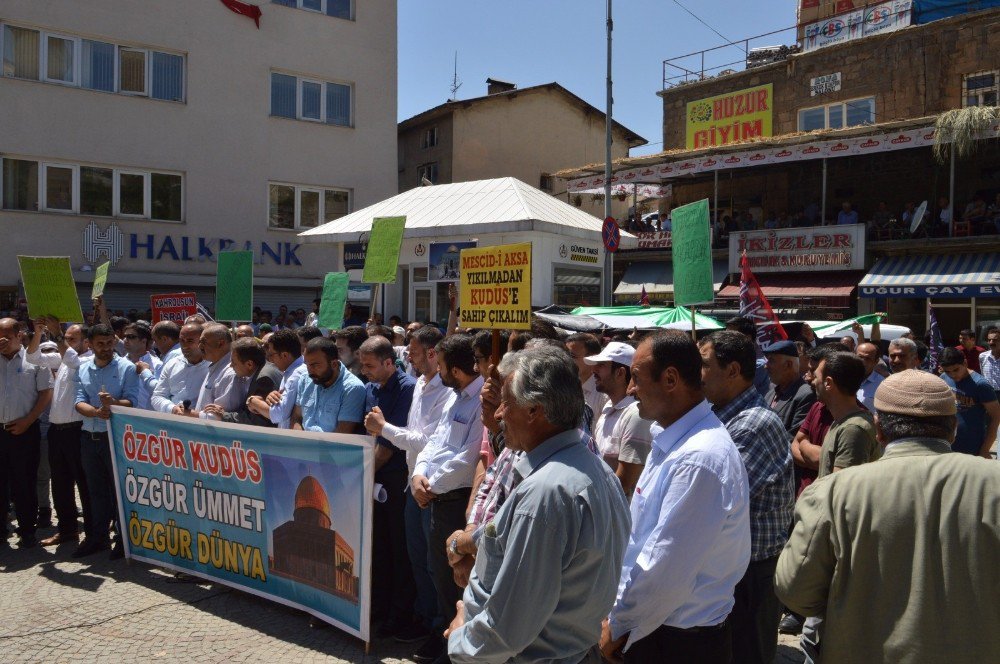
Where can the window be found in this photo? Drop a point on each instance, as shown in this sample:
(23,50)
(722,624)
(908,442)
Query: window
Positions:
(427,172)
(545,182)
(90,64)
(305,99)
(293,207)
(335,8)
(20,184)
(92,190)
(841,114)
(430,138)
(58,187)
(575,287)
(980,89)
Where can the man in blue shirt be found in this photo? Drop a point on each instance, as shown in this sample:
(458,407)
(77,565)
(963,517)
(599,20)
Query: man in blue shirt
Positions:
(847,215)
(109,380)
(390,392)
(978,410)
(330,398)
(549,560)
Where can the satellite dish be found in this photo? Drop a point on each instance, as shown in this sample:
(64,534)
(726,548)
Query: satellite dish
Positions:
(918,217)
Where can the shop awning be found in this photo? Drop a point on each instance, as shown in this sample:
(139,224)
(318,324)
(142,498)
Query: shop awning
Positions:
(816,285)
(950,275)
(658,278)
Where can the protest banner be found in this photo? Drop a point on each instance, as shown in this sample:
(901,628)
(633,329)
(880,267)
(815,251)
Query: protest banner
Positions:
(442,260)
(496,287)
(382,257)
(331,304)
(691,248)
(172,306)
(49,287)
(250,508)
(234,286)
(100,280)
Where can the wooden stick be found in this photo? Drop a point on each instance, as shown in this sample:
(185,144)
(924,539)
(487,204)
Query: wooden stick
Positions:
(495,353)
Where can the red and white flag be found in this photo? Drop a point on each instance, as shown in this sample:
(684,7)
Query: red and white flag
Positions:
(755,306)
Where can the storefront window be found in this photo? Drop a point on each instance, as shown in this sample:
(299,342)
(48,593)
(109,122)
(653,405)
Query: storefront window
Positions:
(576,288)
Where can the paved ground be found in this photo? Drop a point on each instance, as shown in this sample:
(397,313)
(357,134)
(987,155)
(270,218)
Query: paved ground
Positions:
(56,609)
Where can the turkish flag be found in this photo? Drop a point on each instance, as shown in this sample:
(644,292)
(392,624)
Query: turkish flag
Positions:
(244,9)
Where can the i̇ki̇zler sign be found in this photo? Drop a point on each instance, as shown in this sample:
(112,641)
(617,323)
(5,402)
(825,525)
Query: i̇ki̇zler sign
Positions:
(800,249)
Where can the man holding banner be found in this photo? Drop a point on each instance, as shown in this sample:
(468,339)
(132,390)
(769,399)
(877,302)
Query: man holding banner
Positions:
(110,380)
(182,378)
(332,399)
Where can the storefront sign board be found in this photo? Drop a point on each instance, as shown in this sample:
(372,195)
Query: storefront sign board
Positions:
(730,118)
(800,249)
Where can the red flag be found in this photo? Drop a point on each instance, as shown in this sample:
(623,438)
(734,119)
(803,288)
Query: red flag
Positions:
(755,306)
(644,298)
(244,9)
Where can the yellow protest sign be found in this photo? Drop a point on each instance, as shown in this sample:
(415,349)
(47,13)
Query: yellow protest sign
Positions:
(496,287)
(49,287)
(730,118)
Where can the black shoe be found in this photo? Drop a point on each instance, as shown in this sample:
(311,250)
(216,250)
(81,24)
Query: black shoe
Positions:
(117,552)
(432,648)
(790,624)
(26,542)
(412,633)
(88,548)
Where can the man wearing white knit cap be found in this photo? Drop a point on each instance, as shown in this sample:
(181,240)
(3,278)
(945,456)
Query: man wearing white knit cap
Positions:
(901,555)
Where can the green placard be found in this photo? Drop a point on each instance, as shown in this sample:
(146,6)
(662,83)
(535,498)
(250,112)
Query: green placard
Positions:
(100,279)
(234,286)
(331,306)
(382,258)
(49,288)
(691,245)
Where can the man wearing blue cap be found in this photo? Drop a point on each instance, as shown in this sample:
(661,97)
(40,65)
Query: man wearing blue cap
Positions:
(790,396)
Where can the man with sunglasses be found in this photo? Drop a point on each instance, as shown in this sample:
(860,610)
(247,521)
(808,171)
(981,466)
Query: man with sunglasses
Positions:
(138,339)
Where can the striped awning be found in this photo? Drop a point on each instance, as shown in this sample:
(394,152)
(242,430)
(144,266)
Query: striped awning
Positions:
(938,275)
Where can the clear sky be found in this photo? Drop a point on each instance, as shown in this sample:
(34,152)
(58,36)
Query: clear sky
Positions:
(530,42)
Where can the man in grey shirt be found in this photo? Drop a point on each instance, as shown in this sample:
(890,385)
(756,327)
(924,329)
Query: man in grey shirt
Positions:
(549,561)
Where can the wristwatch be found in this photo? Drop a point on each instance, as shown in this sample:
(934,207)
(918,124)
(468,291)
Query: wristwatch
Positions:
(453,546)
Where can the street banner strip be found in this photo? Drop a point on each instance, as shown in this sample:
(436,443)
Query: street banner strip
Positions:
(846,147)
(250,508)
(443,260)
(333,300)
(49,287)
(692,255)
(173,306)
(864,22)
(496,287)
(234,286)
(100,279)
(382,257)
(824,248)
(754,305)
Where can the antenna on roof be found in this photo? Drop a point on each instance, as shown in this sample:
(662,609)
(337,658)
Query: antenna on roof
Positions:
(455,83)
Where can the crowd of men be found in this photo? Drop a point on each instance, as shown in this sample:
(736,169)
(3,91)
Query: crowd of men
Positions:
(640,498)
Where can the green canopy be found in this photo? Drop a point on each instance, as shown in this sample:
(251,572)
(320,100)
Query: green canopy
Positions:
(627,317)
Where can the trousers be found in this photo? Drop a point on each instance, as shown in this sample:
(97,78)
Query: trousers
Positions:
(66,467)
(756,614)
(670,645)
(418,526)
(393,591)
(19,456)
(95,453)
(447,516)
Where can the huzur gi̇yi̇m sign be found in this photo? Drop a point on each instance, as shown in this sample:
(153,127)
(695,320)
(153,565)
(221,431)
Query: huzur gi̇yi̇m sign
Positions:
(730,118)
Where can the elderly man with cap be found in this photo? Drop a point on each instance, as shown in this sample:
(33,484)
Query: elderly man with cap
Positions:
(790,396)
(902,555)
(622,437)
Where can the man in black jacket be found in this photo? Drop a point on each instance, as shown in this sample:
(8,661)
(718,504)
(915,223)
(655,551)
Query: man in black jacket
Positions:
(248,363)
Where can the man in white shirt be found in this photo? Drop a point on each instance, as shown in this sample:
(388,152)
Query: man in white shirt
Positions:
(690,540)
(65,424)
(221,388)
(138,339)
(622,436)
(429,399)
(284,350)
(989,360)
(580,346)
(182,377)
(166,339)
(868,352)
(442,476)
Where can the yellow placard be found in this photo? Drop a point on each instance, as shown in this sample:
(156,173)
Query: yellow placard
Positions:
(730,118)
(495,287)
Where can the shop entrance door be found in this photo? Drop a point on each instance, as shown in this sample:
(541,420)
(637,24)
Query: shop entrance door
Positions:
(953,316)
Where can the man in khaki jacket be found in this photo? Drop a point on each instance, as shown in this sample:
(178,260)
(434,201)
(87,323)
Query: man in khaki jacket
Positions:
(901,555)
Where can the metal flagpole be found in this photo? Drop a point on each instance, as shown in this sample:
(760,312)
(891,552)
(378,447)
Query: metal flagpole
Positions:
(951,194)
(822,209)
(606,281)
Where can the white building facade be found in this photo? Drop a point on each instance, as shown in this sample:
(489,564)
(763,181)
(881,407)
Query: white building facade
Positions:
(155,135)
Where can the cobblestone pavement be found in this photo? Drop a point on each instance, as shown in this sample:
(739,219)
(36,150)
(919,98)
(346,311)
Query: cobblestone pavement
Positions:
(56,609)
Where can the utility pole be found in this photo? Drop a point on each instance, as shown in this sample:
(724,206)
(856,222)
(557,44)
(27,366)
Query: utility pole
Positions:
(606,282)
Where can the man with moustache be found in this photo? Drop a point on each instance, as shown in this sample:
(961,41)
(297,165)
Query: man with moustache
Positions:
(283,350)
(330,398)
(182,377)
